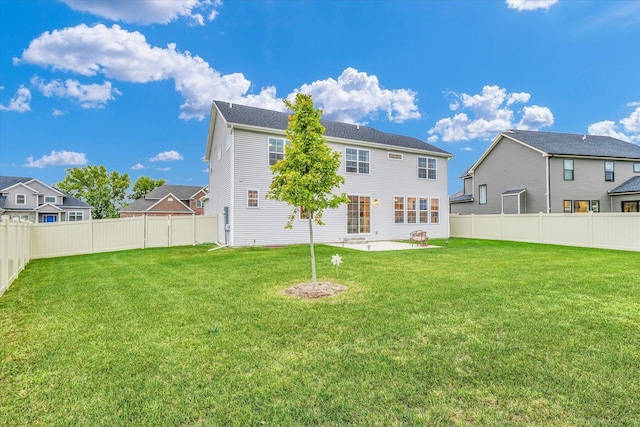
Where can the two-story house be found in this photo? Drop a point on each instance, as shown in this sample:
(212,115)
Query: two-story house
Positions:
(31,200)
(531,172)
(175,200)
(396,184)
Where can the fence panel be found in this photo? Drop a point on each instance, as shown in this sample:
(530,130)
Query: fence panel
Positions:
(14,250)
(60,239)
(597,230)
(118,234)
(182,230)
(157,230)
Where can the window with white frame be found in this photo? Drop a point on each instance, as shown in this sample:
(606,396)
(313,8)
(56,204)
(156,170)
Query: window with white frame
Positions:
(276,149)
(482,196)
(411,210)
(435,210)
(253,198)
(423,210)
(398,209)
(567,165)
(609,167)
(427,168)
(75,216)
(199,203)
(357,161)
(636,167)
(21,199)
(567,206)
(50,199)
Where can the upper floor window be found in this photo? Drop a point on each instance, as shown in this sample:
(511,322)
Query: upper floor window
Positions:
(21,199)
(568,169)
(276,150)
(609,170)
(427,168)
(357,161)
(482,197)
(636,167)
(199,203)
(49,199)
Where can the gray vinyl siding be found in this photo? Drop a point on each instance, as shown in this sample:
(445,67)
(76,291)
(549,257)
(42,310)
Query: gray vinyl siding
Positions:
(588,183)
(387,178)
(509,166)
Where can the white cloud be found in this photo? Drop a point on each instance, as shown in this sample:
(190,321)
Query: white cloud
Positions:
(89,96)
(535,117)
(57,158)
(632,123)
(521,5)
(138,166)
(163,169)
(58,113)
(356,95)
(631,126)
(19,102)
(491,112)
(467,149)
(122,55)
(167,156)
(148,11)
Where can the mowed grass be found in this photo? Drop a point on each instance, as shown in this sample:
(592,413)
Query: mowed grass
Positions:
(474,333)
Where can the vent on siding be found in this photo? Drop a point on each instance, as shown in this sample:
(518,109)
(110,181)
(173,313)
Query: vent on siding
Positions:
(394,156)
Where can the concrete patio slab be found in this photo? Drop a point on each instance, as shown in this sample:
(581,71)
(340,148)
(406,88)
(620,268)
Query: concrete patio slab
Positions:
(377,246)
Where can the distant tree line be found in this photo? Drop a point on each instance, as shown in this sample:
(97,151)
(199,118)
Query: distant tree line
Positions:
(107,192)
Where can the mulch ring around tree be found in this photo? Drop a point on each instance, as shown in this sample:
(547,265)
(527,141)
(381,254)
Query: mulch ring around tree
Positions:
(319,290)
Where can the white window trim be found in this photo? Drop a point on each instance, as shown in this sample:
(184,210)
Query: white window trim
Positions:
(284,148)
(407,210)
(257,199)
(426,168)
(424,210)
(431,210)
(48,197)
(76,213)
(346,230)
(480,201)
(24,196)
(636,167)
(404,210)
(358,150)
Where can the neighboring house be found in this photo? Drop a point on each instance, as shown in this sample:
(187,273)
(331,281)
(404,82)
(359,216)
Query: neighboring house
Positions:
(531,172)
(396,184)
(168,200)
(29,199)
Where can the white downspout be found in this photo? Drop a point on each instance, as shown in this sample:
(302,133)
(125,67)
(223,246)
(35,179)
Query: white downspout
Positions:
(548,185)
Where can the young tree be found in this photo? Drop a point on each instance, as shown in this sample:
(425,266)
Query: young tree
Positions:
(307,175)
(92,184)
(144,185)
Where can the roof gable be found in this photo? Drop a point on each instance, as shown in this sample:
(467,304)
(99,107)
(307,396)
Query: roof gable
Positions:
(566,144)
(182,192)
(277,120)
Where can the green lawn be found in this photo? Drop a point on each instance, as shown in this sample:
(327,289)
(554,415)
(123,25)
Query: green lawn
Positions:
(475,333)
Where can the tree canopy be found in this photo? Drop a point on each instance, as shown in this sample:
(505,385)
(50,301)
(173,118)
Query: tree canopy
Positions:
(144,185)
(308,174)
(104,191)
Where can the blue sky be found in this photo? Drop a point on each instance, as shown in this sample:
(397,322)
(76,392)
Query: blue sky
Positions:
(128,84)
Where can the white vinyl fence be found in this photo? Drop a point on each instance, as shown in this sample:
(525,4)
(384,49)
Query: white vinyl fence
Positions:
(22,241)
(14,249)
(594,230)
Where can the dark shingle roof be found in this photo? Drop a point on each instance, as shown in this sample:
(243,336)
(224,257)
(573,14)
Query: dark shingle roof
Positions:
(68,201)
(8,181)
(139,205)
(182,192)
(259,117)
(576,145)
(631,186)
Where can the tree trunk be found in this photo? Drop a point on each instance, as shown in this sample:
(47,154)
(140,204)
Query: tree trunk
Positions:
(313,254)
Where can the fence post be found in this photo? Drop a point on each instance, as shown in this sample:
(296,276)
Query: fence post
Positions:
(4,255)
(473,226)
